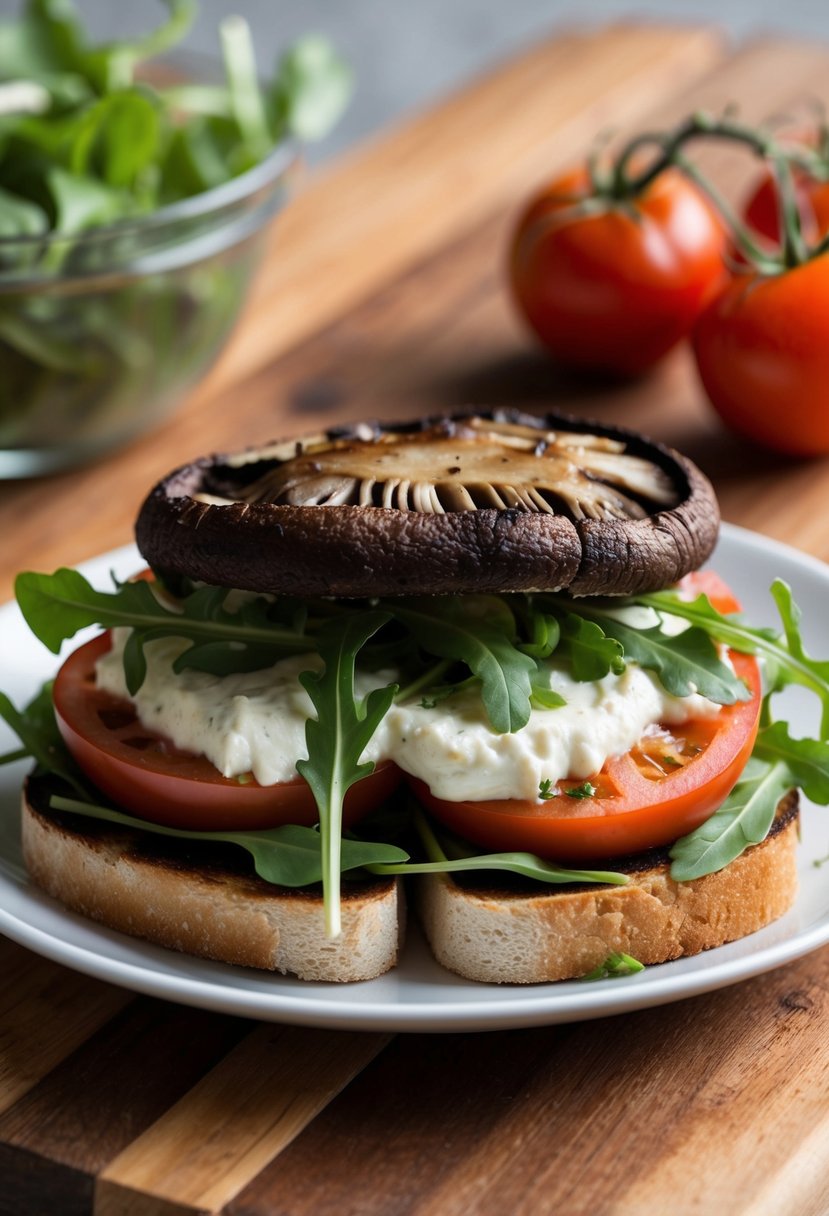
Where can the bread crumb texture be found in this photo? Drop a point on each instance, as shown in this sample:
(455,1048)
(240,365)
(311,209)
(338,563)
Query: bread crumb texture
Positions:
(521,939)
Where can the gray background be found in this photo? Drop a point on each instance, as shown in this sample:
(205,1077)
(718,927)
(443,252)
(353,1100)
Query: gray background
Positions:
(408,52)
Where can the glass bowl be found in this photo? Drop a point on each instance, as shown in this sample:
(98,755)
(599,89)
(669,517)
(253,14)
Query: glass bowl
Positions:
(102,333)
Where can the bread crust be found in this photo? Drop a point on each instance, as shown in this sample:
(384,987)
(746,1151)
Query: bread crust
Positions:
(214,912)
(509,937)
(482,932)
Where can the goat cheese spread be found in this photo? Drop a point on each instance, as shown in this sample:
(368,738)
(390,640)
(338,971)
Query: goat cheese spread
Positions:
(254,722)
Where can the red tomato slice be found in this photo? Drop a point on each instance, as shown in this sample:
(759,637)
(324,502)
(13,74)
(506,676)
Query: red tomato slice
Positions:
(149,777)
(708,582)
(631,811)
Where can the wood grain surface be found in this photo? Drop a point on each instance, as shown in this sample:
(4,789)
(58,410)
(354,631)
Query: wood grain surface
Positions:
(383,294)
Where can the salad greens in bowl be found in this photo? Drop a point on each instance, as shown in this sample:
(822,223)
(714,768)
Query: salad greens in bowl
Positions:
(133,206)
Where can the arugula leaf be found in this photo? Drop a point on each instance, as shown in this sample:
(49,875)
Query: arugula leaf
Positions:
(542,695)
(338,737)
(526,864)
(615,966)
(597,643)
(478,631)
(783,652)
(546,634)
(807,760)
(288,856)
(743,819)
(56,606)
(37,730)
(686,662)
(592,654)
(441,692)
(546,698)
(427,681)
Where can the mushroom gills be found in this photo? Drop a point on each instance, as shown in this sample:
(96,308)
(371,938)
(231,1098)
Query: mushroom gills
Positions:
(472,465)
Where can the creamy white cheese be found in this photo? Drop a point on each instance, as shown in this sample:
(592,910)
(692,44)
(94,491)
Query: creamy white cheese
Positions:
(254,722)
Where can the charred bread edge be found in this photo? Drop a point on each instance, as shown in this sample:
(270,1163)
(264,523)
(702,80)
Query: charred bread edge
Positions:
(359,551)
(229,916)
(499,936)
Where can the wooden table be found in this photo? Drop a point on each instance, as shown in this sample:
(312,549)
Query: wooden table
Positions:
(383,295)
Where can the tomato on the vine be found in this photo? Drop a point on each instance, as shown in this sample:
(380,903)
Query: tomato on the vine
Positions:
(636,802)
(610,283)
(762,349)
(151,778)
(762,208)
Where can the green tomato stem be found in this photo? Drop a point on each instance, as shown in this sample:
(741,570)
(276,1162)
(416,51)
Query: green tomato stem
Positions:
(625,185)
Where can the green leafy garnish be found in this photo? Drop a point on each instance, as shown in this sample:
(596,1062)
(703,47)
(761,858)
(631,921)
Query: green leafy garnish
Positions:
(545,633)
(779,763)
(685,662)
(585,790)
(542,696)
(614,967)
(337,738)
(437,695)
(785,655)
(592,654)
(38,733)
(100,125)
(56,606)
(288,856)
(88,141)
(743,819)
(503,644)
(464,859)
(478,631)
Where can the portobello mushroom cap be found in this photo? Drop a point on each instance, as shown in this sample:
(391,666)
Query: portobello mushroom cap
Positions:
(495,501)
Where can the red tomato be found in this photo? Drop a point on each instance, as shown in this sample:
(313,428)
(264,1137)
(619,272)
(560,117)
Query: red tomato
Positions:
(761,211)
(636,805)
(149,777)
(708,582)
(612,285)
(762,349)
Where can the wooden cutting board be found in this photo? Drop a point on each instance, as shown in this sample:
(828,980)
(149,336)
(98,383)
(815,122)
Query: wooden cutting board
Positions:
(383,294)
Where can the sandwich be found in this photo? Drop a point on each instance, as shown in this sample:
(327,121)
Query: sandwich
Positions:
(475,652)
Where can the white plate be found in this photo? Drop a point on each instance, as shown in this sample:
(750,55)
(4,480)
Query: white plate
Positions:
(417,995)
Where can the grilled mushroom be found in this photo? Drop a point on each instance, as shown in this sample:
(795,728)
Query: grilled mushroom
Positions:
(494,502)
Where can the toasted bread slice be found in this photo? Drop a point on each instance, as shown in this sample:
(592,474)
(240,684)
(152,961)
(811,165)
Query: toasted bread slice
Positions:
(526,934)
(205,900)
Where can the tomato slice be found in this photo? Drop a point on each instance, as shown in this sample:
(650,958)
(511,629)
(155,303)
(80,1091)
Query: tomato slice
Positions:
(708,582)
(146,775)
(635,806)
